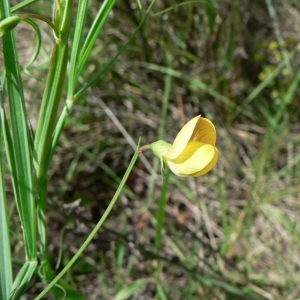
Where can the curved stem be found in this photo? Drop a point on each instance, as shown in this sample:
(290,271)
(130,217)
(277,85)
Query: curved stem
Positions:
(39,17)
(144,148)
(95,230)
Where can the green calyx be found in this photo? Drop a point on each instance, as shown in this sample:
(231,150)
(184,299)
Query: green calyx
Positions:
(160,148)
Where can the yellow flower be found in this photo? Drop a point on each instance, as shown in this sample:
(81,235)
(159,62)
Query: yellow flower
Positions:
(193,152)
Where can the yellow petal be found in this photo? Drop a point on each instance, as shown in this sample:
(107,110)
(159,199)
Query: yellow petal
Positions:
(196,159)
(182,138)
(209,166)
(204,132)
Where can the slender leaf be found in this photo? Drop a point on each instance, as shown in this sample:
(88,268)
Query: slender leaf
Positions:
(22,4)
(5,252)
(77,39)
(22,280)
(38,47)
(20,144)
(112,61)
(52,94)
(46,125)
(94,33)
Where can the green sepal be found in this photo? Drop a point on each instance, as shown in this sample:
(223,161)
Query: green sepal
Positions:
(160,148)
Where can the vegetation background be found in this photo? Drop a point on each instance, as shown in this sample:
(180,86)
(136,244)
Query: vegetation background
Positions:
(231,234)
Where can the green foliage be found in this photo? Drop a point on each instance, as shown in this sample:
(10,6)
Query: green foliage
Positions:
(5,252)
(109,72)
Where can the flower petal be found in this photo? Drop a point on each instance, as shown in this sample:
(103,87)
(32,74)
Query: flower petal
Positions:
(204,132)
(195,160)
(209,166)
(182,138)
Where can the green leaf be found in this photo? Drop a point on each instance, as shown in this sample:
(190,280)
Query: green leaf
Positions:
(113,60)
(5,252)
(38,47)
(18,143)
(46,124)
(76,45)
(52,94)
(22,280)
(94,33)
(22,4)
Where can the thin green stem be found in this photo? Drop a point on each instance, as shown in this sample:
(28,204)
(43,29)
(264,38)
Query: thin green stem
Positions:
(161,211)
(161,131)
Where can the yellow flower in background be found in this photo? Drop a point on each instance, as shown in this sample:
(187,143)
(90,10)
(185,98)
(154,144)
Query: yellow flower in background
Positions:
(193,152)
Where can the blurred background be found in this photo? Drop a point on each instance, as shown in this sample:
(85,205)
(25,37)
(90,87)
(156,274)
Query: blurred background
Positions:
(230,234)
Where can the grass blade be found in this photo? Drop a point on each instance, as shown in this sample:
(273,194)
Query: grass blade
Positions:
(77,39)
(22,5)
(5,252)
(46,125)
(38,47)
(94,33)
(112,61)
(52,94)
(20,144)
(22,280)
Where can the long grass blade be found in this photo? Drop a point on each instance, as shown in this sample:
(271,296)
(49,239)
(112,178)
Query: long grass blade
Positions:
(94,33)
(22,280)
(52,94)
(22,4)
(46,125)
(5,252)
(77,39)
(20,144)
